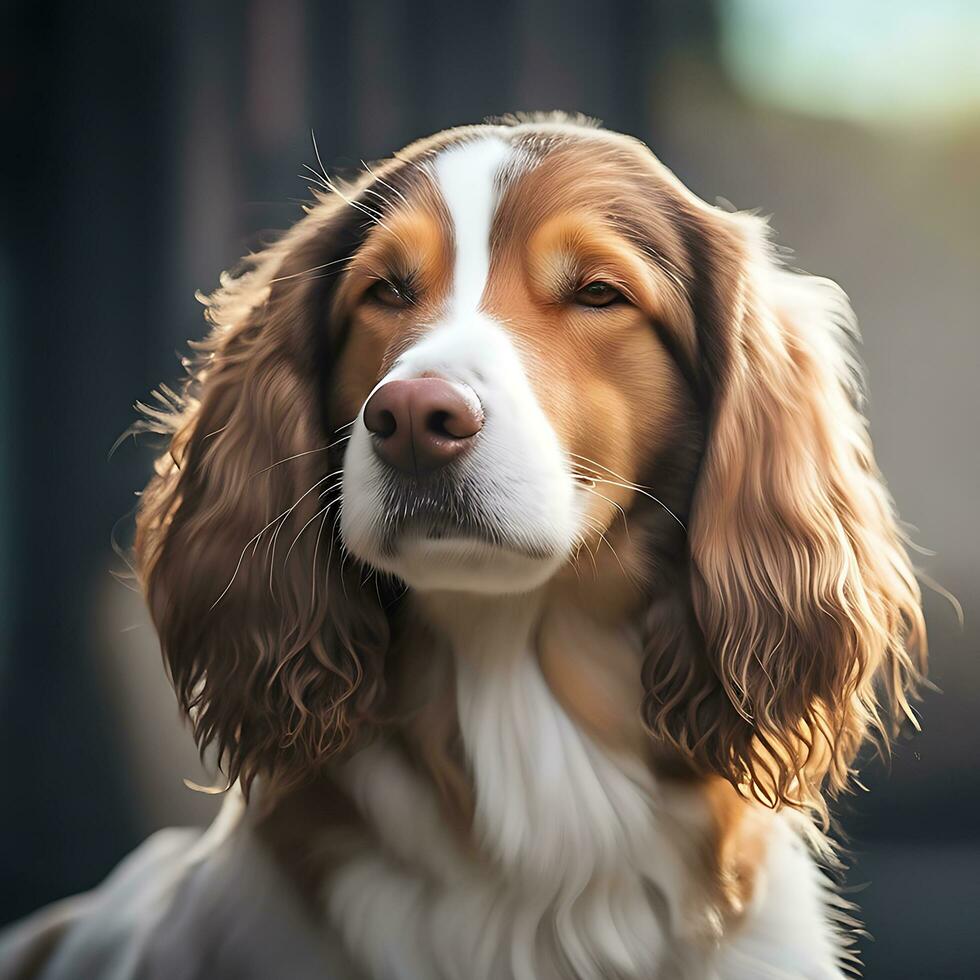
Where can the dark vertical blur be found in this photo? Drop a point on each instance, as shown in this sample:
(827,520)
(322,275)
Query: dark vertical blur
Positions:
(91,116)
(149,145)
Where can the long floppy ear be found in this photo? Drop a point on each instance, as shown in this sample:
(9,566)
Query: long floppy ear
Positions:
(803,616)
(273,655)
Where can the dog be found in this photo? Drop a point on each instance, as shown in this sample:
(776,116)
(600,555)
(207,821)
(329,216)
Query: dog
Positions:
(519,549)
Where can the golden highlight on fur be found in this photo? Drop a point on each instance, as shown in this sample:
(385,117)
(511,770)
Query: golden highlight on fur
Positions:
(780,615)
(804,618)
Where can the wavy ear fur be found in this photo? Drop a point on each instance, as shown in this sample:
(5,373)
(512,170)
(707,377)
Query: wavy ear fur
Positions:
(800,621)
(276,661)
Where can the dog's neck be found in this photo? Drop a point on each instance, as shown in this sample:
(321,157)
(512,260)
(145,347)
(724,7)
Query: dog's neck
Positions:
(557,795)
(482,627)
(567,643)
(559,821)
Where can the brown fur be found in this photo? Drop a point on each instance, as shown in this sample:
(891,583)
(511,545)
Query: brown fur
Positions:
(779,624)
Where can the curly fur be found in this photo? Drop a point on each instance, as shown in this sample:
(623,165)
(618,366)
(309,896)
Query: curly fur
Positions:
(785,628)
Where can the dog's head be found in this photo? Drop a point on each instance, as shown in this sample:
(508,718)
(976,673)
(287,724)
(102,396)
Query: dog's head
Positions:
(490,358)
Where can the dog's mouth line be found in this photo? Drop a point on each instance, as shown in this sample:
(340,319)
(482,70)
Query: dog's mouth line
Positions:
(467,533)
(468,542)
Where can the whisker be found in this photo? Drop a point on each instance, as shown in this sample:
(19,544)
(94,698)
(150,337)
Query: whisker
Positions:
(385,183)
(380,197)
(615,554)
(344,556)
(646,493)
(316,268)
(326,275)
(597,465)
(306,452)
(615,504)
(270,549)
(299,534)
(333,188)
(316,549)
(328,185)
(318,179)
(625,484)
(589,551)
(285,514)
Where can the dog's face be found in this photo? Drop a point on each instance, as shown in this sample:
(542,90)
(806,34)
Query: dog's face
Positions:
(504,366)
(506,346)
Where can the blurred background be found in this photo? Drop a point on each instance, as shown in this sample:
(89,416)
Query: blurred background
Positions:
(149,145)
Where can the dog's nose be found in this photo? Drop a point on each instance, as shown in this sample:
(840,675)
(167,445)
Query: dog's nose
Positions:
(421,424)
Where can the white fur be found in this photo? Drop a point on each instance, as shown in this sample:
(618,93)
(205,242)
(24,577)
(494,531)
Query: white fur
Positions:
(467,176)
(585,865)
(789,933)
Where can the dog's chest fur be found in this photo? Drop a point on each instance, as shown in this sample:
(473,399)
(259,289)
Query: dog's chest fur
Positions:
(581,865)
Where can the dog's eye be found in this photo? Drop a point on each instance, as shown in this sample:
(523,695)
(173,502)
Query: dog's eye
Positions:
(598,294)
(391,292)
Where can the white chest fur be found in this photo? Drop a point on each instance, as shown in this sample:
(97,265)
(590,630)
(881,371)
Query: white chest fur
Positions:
(584,866)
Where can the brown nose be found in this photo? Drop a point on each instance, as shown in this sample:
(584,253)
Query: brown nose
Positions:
(421,424)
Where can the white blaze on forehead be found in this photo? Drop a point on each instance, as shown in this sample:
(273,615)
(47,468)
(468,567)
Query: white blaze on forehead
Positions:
(467,178)
(524,488)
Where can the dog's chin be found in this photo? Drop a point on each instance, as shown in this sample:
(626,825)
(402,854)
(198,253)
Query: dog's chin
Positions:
(462,562)
(470,564)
